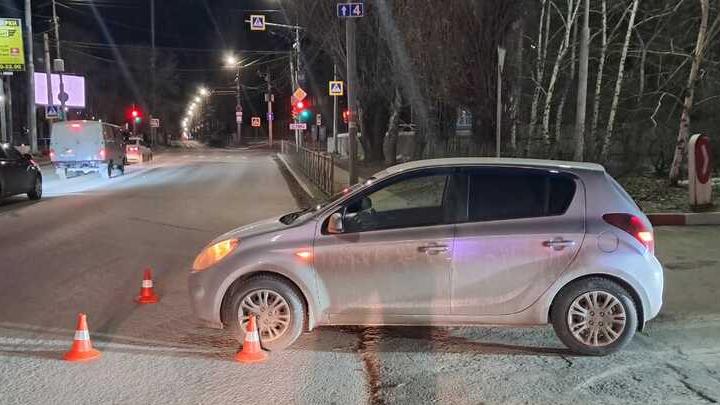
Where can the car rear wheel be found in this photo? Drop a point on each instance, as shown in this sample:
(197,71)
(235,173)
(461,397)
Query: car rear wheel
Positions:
(277,306)
(36,192)
(594,316)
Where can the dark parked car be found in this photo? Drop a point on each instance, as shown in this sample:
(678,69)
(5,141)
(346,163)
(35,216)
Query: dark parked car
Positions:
(18,174)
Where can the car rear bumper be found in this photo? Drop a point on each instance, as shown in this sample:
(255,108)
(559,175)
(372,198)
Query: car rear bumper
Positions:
(79,164)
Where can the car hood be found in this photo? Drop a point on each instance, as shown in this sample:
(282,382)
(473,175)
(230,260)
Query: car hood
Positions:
(253,229)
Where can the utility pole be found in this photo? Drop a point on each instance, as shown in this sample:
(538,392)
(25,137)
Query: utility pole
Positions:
(269,97)
(8,95)
(582,86)
(335,111)
(498,118)
(296,47)
(153,130)
(48,70)
(352,107)
(3,117)
(238,106)
(31,117)
(59,63)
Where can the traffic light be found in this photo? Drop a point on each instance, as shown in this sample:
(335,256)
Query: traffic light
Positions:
(135,115)
(301,111)
(346,116)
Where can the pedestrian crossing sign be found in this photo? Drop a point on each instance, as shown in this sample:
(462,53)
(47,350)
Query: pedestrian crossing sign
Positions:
(51,112)
(257,23)
(336,88)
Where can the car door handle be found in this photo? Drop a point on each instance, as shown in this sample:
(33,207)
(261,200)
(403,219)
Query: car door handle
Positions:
(558,243)
(432,248)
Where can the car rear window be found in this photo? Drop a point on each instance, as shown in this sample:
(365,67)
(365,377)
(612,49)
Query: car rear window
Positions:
(498,194)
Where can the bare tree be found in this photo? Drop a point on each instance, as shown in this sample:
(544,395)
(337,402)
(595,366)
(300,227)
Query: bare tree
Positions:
(703,40)
(618,84)
(568,21)
(582,85)
(540,53)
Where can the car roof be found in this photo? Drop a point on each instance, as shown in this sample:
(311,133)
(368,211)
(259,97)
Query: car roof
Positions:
(494,162)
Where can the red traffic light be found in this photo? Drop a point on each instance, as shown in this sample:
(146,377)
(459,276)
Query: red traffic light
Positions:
(135,113)
(346,116)
(299,105)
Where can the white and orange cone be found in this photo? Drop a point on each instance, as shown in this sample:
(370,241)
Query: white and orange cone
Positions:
(251,351)
(147,291)
(81,349)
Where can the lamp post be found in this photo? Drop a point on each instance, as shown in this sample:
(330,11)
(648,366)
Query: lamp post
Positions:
(232,61)
(498,121)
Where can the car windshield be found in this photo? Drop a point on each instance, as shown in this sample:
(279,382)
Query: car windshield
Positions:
(350,197)
(289,218)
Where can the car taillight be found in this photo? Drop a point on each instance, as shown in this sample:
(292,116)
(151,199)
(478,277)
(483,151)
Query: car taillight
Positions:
(634,226)
(102,154)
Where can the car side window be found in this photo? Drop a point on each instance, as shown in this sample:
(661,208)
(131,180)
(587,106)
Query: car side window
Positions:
(409,202)
(499,194)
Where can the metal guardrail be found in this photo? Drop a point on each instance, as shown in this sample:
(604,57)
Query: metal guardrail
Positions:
(319,167)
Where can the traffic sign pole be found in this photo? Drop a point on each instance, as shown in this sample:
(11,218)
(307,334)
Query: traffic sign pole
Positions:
(335,108)
(352,121)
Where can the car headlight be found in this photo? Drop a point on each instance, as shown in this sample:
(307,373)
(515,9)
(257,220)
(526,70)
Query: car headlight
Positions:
(214,253)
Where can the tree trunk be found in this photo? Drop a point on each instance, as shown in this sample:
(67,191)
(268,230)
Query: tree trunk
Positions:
(684,131)
(581,105)
(566,90)
(539,73)
(517,90)
(550,92)
(599,80)
(618,85)
(391,136)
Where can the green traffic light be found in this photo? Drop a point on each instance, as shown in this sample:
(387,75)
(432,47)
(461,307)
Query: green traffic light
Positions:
(138,120)
(305,115)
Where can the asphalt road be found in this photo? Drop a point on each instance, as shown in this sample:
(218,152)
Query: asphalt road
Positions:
(84,246)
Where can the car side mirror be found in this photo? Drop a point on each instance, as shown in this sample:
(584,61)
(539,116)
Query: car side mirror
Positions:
(335,223)
(27,156)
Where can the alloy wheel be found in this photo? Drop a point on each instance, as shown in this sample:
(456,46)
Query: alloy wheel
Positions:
(271,310)
(596,318)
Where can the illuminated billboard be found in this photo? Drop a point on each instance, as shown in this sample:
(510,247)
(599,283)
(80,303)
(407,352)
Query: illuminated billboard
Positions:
(74,87)
(12,54)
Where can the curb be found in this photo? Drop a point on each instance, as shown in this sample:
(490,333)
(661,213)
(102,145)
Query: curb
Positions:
(685,219)
(300,180)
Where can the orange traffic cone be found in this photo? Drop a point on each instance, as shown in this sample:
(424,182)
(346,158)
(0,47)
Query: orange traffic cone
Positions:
(147,293)
(81,349)
(251,351)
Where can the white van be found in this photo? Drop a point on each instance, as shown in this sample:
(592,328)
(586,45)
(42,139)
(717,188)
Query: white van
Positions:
(87,146)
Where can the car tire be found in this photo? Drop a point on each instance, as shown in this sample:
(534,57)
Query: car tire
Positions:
(602,300)
(292,309)
(106,171)
(36,192)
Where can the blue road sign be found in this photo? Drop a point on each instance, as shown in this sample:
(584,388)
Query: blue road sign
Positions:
(51,111)
(350,10)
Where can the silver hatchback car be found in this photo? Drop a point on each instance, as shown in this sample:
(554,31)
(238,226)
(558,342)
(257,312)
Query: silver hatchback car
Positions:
(463,241)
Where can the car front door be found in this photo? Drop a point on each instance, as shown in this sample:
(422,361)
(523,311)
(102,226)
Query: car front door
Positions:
(523,229)
(393,256)
(16,174)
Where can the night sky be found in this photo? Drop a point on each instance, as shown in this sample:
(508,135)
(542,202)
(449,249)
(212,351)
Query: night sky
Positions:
(198,32)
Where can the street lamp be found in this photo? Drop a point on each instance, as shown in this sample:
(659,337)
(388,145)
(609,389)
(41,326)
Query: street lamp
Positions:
(203,91)
(232,61)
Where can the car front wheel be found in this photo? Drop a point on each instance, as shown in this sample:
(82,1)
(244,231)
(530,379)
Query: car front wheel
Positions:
(279,311)
(594,316)
(36,192)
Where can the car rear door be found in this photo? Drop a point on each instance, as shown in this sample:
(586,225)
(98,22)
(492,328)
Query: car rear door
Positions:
(523,229)
(393,258)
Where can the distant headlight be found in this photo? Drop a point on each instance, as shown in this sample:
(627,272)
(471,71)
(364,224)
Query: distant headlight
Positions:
(214,253)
